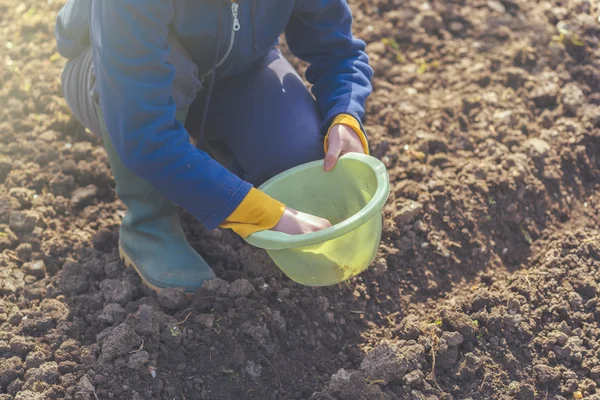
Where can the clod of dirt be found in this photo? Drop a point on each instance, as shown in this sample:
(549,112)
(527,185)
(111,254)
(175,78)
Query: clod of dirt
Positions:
(389,361)
(15,387)
(117,291)
(430,21)
(407,212)
(216,286)
(7,238)
(586,287)
(536,147)
(446,356)
(29,395)
(23,221)
(85,389)
(545,94)
(173,299)
(496,6)
(170,333)
(572,98)
(112,314)
(84,196)
(460,322)
(205,320)
(547,376)
(20,345)
(73,279)
(145,322)
(5,167)
(24,251)
(35,268)
(113,269)
(253,370)
(467,367)
(35,359)
(10,369)
(136,360)
(47,372)
(62,185)
(349,385)
(521,391)
(409,327)
(452,338)
(119,342)
(260,334)
(241,288)
(431,143)
(414,378)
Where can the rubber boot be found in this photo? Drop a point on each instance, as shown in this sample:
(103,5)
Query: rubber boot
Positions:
(151,239)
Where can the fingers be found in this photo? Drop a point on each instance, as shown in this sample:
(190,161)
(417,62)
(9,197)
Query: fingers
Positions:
(296,223)
(333,153)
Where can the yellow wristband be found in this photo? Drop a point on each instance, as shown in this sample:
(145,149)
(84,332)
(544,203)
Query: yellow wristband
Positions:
(353,123)
(257,212)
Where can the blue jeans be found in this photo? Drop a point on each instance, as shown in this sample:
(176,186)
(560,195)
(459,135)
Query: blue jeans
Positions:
(259,123)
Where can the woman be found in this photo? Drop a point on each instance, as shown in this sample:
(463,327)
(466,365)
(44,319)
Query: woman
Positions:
(168,82)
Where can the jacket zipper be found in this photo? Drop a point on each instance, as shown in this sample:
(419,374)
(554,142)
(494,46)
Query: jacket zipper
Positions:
(235,26)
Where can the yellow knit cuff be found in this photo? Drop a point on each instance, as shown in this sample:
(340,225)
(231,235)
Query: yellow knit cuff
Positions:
(353,123)
(257,212)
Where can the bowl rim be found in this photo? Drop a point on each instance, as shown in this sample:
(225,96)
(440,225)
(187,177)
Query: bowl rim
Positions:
(271,240)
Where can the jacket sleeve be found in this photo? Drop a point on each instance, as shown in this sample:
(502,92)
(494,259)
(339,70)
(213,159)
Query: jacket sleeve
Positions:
(72,30)
(320,33)
(134,81)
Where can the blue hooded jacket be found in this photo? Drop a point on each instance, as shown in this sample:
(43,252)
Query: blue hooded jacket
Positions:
(134,81)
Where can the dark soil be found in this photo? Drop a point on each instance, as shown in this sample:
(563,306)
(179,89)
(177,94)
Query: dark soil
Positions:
(487,286)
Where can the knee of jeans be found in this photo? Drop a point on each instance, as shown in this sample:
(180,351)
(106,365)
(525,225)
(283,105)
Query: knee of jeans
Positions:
(285,159)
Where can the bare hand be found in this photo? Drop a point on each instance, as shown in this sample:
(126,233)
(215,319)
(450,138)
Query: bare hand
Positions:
(296,223)
(342,139)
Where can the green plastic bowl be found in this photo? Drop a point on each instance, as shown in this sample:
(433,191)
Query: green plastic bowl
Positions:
(351,197)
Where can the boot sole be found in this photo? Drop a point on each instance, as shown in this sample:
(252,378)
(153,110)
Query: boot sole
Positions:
(129,264)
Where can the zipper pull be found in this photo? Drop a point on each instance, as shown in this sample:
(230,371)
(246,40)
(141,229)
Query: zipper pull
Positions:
(236,21)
